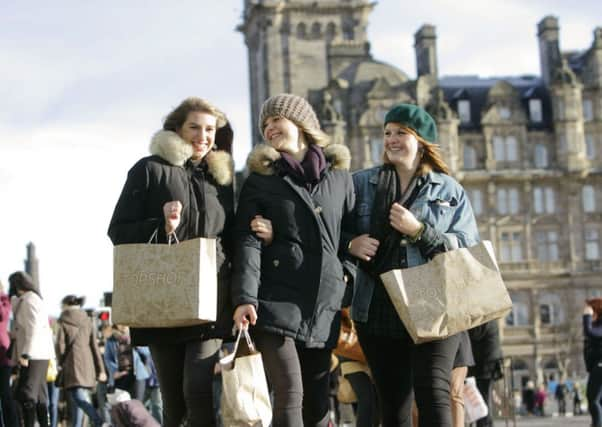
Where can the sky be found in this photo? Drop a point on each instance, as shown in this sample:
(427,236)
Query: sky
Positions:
(83,86)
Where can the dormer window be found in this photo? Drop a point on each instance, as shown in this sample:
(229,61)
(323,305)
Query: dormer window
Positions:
(464,111)
(535,111)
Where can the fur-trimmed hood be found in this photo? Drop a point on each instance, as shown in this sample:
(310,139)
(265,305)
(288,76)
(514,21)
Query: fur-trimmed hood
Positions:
(262,157)
(171,147)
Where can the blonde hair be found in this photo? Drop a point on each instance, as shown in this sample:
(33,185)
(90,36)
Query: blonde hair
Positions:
(315,136)
(430,158)
(176,118)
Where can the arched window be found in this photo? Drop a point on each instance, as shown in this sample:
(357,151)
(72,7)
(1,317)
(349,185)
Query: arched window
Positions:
(316,30)
(301,30)
(331,31)
(519,365)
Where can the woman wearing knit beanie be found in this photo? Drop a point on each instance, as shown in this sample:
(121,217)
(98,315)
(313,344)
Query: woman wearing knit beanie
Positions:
(409,210)
(289,284)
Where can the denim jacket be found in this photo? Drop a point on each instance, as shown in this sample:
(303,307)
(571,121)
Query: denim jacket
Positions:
(111,355)
(441,203)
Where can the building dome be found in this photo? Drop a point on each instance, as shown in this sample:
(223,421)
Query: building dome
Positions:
(368,70)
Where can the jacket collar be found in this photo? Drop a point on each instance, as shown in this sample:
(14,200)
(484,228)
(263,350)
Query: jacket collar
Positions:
(263,157)
(170,147)
(431,177)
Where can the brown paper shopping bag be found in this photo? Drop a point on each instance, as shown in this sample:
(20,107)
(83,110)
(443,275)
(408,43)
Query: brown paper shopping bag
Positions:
(245,400)
(163,285)
(455,291)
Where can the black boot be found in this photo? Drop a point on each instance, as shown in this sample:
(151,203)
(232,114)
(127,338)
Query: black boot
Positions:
(43,416)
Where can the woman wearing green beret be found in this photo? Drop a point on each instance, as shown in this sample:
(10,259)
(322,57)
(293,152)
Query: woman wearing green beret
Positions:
(407,210)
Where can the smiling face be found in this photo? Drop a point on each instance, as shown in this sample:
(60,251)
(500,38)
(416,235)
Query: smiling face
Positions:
(401,148)
(199,131)
(282,134)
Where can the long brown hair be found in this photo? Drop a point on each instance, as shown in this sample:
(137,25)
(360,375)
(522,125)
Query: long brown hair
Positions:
(176,118)
(430,157)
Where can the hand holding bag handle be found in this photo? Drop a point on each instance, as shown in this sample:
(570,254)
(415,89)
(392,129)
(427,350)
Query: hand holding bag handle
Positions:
(245,398)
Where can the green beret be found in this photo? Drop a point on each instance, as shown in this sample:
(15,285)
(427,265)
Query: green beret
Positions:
(415,118)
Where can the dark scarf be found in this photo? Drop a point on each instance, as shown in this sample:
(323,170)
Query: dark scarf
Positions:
(308,171)
(388,191)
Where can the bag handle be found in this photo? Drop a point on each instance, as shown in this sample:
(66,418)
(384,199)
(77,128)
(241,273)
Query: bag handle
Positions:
(230,358)
(170,236)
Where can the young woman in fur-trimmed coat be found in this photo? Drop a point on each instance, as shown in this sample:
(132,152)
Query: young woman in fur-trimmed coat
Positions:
(183,188)
(289,283)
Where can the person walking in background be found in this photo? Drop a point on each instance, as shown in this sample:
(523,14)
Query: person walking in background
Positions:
(153,397)
(407,211)
(79,359)
(487,352)
(184,190)
(33,348)
(577,399)
(592,352)
(8,416)
(529,397)
(126,363)
(540,400)
(291,290)
(560,395)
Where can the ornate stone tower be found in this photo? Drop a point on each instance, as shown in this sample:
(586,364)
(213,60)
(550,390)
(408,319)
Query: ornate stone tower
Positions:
(31,263)
(296,46)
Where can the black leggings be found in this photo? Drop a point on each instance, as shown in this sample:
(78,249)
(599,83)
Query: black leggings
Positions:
(398,366)
(594,396)
(299,378)
(185,374)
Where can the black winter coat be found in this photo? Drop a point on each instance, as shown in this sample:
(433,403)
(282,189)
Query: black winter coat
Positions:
(205,191)
(296,283)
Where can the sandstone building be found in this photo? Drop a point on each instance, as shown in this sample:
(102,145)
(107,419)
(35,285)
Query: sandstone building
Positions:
(528,149)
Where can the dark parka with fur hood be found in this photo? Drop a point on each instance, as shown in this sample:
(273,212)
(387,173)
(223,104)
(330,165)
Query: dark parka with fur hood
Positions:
(296,283)
(77,349)
(205,191)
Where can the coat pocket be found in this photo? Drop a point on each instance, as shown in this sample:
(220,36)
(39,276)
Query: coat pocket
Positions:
(439,212)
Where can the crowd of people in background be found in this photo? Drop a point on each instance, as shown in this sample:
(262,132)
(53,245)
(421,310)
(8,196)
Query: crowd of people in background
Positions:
(307,239)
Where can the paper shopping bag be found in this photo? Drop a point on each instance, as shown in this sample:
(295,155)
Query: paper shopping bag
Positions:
(165,285)
(455,291)
(245,398)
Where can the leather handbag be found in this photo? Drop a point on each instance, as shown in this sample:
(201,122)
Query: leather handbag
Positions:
(348,345)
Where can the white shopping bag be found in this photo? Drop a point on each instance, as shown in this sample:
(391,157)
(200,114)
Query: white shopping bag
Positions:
(245,398)
(475,407)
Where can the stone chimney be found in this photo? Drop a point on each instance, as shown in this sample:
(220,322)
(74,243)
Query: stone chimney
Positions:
(549,47)
(425,45)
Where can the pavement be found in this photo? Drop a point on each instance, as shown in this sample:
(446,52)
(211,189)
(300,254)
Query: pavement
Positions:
(568,421)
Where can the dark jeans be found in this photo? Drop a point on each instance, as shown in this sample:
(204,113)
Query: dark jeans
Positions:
(9,408)
(594,394)
(366,409)
(398,365)
(185,374)
(299,378)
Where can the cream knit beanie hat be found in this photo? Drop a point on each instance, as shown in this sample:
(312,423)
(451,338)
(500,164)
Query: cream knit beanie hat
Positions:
(292,107)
